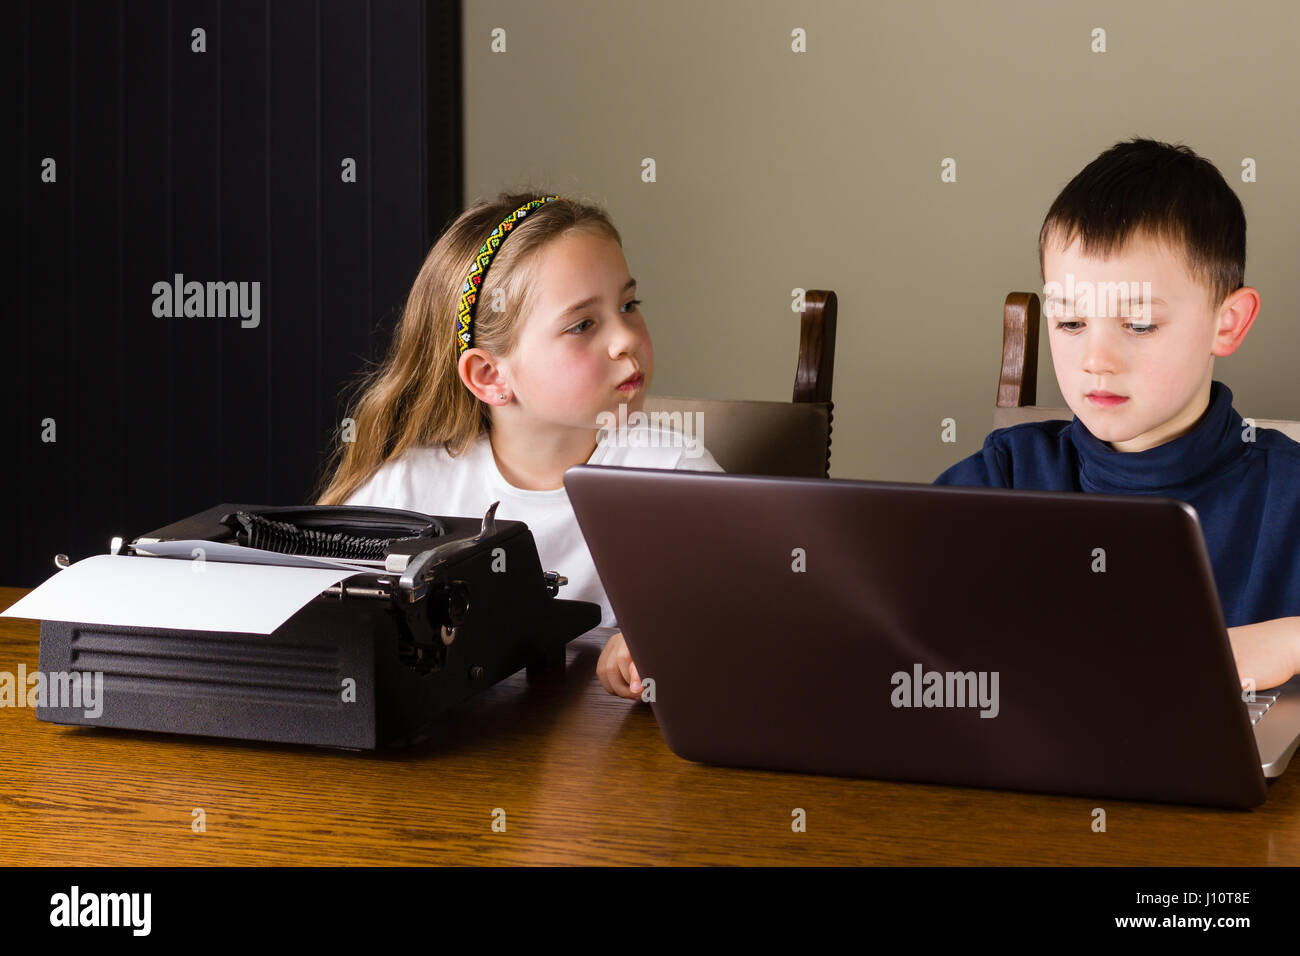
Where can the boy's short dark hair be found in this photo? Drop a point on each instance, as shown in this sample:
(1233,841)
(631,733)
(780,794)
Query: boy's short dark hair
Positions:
(1167,192)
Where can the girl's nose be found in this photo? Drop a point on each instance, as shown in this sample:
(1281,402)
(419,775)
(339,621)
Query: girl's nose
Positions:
(625,338)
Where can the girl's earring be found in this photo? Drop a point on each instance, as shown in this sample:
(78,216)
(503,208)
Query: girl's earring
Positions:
(502,396)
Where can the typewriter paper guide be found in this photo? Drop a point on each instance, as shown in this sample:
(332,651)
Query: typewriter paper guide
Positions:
(160,592)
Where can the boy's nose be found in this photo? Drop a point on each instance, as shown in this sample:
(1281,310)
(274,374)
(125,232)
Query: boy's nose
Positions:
(1099,354)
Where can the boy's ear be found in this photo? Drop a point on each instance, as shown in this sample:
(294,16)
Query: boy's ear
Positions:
(1235,317)
(481,374)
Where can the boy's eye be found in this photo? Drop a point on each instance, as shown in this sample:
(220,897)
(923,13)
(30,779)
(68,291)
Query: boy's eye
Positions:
(1140,328)
(632,304)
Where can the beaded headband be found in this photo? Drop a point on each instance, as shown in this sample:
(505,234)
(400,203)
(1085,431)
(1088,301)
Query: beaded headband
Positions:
(469,295)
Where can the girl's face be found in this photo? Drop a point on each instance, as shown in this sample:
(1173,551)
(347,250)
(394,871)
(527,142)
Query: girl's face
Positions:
(583,348)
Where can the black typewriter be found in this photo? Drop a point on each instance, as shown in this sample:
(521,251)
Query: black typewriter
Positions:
(445,608)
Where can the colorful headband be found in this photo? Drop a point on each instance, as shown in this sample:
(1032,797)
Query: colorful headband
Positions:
(469,295)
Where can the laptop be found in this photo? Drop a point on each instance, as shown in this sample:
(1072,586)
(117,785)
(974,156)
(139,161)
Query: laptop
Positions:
(1026,640)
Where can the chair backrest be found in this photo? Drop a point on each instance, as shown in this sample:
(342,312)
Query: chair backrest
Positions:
(792,438)
(1018,382)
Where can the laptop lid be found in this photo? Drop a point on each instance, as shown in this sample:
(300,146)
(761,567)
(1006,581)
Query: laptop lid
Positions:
(1044,641)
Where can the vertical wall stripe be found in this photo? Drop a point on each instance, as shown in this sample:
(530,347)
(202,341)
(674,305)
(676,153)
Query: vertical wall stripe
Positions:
(26,376)
(268,286)
(120,356)
(424,111)
(74,434)
(217,48)
(370,161)
(169,41)
(319,73)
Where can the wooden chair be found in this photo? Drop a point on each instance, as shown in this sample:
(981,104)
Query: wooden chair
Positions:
(1018,383)
(775,438)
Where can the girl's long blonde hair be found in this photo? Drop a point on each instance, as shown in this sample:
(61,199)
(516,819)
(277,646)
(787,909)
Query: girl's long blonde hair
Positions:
(415,396)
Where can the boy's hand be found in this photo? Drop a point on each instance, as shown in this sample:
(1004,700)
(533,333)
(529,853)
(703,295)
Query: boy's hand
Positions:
(616,671)
(1267,652)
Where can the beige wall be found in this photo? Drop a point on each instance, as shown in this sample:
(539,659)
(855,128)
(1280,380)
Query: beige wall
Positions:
(821,170)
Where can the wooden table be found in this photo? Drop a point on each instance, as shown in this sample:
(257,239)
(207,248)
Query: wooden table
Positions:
(582,777)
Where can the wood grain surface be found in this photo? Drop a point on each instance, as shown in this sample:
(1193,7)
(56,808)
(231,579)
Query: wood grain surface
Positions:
(582,778)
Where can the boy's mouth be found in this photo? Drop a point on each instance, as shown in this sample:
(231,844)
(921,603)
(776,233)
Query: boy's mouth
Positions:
(1103,399)
(633,383)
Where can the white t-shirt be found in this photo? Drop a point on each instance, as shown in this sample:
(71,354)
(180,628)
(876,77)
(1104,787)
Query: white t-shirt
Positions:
(429,481)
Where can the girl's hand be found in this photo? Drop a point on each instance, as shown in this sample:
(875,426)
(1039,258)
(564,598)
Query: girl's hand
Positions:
(1266,653)
(616,671)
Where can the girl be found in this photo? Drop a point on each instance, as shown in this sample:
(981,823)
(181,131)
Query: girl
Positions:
(521,330)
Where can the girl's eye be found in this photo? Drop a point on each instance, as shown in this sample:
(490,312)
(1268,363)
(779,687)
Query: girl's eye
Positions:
(1068,326)
(588,323)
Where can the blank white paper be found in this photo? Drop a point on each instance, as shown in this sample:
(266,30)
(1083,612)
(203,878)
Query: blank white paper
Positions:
(225,551)
(183,595)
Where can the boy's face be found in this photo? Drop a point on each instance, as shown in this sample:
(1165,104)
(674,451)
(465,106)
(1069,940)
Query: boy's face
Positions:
(1135,380)
(569,365)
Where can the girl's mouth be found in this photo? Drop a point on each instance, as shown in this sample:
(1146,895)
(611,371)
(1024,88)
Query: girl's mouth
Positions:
(633,383)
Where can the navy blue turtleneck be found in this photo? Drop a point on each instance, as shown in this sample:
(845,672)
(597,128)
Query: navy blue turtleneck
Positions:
(1246,493)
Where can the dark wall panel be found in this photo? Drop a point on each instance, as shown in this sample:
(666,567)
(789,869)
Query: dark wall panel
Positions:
(46,480)
(345,207)
(94,318)
(401,127)
(295,416)
(250,148)
(145,468)
(193,356)
(222,166)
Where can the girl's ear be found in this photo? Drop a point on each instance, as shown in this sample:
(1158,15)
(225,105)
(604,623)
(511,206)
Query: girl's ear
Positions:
(483,376)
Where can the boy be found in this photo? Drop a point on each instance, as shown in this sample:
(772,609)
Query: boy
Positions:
(1143,256)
